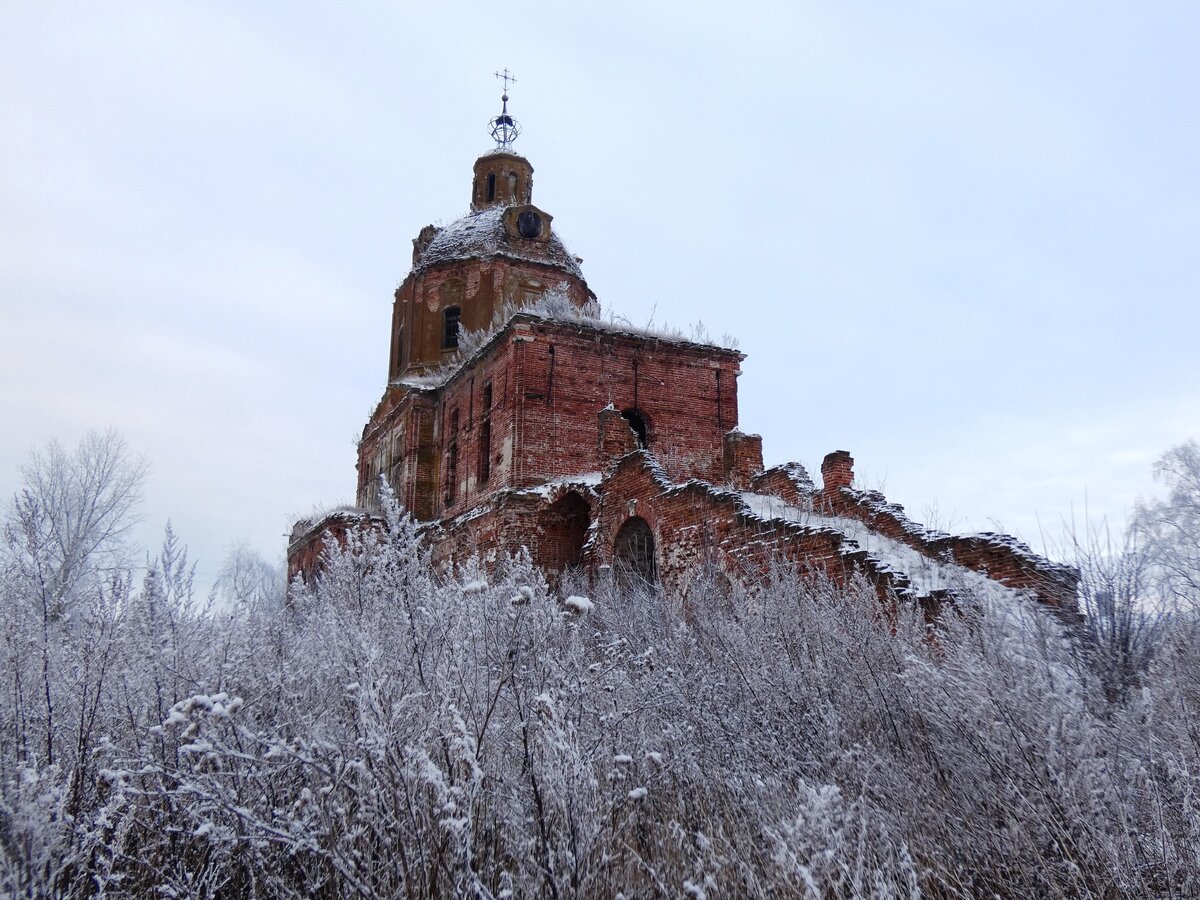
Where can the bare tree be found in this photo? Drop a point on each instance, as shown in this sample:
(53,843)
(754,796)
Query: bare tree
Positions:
(248,579)
(69,521)
(1124,621)
(64,537)
(1170,527)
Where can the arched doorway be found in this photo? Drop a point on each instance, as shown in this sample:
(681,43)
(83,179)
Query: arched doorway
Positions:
(564,532)
(634,560)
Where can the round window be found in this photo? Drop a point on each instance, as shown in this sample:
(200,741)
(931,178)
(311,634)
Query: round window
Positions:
(530,225)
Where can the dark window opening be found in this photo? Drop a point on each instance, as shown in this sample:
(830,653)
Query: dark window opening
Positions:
(452,476)
(637,421)
(529,224)
(634,562)
(485,435)
(491,186)
(564,532)
(451,317)
(485,451)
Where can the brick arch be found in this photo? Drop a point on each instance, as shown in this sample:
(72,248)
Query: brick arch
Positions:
(635,553)
(564,526)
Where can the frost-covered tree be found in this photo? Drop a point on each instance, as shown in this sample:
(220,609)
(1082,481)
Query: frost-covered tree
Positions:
(393,730)
(1170,526)
(1124,621)
(1134,582)
(67,525)
(247,579)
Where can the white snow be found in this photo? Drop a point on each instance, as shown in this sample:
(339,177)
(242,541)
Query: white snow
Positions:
(579,604)
(482,234)
(583,479)
(554,306)
(925,575)
(638,793)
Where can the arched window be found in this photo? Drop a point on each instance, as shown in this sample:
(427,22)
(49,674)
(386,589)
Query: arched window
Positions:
(634,561)
(451,317)
(637,421)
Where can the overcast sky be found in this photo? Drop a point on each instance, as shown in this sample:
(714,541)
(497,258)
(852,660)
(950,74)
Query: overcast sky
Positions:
(956,239)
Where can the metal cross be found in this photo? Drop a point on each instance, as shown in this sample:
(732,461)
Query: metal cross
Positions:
(507,78)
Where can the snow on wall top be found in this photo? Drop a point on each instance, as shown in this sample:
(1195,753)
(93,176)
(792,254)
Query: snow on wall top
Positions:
(552,308)
(876,503)
(916,574)
(925,574)
(481,235)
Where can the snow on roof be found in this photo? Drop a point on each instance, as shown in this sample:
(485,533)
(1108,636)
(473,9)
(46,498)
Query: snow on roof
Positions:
(481,235)
(557,308)
(876,502)
(503,151)
(925,575)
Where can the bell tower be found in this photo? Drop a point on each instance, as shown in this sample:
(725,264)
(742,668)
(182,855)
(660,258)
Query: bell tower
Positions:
(502,255)
(502,178)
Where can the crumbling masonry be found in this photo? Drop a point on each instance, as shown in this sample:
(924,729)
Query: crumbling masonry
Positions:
(515,416)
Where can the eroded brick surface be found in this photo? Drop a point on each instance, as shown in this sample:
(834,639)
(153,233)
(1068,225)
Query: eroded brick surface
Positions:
(582,443)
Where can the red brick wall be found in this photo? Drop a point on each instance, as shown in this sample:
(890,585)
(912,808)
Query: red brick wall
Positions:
(550,384)
(1000,557)
(686,393)
(837,470)
(308,541)
(743,459)
(789,482)
(696,526)
(480,288)
(616,438)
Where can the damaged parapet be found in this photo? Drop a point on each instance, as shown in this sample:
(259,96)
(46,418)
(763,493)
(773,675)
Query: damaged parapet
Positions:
(743,458)
(1000,557)
(790,482)
(837,471)
(616,436)
(309,536)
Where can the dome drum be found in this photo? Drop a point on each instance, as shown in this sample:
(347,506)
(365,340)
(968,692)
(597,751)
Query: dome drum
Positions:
(501,179)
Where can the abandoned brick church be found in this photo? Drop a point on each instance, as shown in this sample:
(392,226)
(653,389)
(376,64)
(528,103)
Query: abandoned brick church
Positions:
(515,416)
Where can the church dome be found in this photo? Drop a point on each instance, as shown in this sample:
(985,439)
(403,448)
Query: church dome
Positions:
(490,233)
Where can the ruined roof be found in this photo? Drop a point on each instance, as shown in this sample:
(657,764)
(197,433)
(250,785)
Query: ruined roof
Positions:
(481,235)
(475,344)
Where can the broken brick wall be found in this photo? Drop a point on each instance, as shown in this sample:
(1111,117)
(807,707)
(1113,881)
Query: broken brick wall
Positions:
(1000,557)
(528,410)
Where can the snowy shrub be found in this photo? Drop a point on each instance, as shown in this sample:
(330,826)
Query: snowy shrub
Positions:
(391,731)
